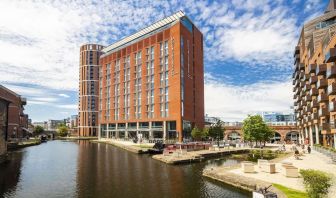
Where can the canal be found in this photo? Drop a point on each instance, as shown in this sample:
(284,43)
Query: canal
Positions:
(84,169)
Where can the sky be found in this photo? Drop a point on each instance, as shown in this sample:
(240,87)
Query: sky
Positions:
(248,48)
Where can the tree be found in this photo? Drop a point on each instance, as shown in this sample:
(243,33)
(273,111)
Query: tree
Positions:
(38,130)
(217,131)
(197,133)
(62,130)
(317,183)
(256,130)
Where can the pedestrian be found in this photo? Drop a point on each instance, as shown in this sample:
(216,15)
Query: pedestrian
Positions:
(309,149)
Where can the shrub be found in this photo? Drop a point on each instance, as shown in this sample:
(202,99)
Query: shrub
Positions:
(254,155)
(316,182)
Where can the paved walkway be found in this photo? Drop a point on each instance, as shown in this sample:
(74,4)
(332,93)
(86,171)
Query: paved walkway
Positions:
(314,160)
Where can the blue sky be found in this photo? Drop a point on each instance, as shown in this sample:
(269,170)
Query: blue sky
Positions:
(248,47)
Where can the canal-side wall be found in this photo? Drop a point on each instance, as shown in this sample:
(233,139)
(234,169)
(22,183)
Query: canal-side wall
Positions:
(196,156)
(223,175)
(133,149)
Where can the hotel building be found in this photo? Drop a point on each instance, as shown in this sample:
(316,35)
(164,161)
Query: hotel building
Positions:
(151,83)
(88,89)
(314,80)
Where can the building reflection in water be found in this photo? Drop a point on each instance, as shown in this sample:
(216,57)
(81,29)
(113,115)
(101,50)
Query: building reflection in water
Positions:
(107,171)
(10,173)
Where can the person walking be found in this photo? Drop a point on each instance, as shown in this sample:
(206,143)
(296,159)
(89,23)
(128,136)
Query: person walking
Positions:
(309,149)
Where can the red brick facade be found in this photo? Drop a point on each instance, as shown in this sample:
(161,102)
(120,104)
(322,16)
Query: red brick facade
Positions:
(88,89)
(17,120)
(134,100)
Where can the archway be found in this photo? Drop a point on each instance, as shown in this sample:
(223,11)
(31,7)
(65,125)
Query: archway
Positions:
(234,135)
(292,136)
(276,137)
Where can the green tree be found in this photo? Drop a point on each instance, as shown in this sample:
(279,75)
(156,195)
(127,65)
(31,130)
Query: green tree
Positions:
(197,133)
(317,183)
(62,130)
(38,130)
(256,130)
(217,131)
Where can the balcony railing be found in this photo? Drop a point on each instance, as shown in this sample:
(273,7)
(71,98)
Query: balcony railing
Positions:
(312,79)
(332,106)
(332,89)
(301,75)
(302,83)
(331,72)
(322,98)
(321,69)
(296,58)
(308,98)
(325,126)
(313,92)
(323,111)
(297,50)
(330,56)
(312,68)
(314,104)
(306,77)
(313,116)
(306,87)
(322,83)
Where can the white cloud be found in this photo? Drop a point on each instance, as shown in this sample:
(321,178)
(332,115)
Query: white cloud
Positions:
(64,95)
(234,103)
(68,106)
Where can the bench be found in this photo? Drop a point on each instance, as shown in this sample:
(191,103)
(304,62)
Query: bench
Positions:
(261,161)
(268,167)
(247,167)
(290,171)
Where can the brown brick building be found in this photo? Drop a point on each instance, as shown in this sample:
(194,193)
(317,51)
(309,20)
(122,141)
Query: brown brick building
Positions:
(314,80)
(88,89)
(152,82)
(17,120)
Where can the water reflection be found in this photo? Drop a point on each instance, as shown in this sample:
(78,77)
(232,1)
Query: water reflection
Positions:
(84,169)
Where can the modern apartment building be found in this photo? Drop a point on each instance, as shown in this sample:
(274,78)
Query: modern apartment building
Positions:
(152,82)
(17,121)
(314,80)
(88,89)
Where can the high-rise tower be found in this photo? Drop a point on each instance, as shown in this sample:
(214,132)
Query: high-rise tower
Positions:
(88,89)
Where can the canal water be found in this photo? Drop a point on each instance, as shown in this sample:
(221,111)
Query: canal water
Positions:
(84,169)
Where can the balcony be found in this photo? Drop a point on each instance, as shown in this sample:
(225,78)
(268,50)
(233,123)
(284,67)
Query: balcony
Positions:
(312,68)
(322,83)
(325,126)
(332,106)
(294,82)
(301,75)
(313,116)
(330,56)
(321,69)
(331,72)
(297,50)
(294,89)
(306,77)
(314,104)
(322,98)
(295,103)
(295,96)
(322,112)
(313,92)
(332,89)
(313,79)
(296,58)
(302,83)
(306,87)
(308,98)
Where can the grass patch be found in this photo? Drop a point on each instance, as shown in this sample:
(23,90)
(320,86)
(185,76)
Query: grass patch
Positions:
(291,193)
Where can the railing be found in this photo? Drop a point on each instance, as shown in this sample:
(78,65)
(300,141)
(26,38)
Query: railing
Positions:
(331,153)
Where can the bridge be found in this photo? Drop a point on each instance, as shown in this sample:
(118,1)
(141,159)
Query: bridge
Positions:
(282,133)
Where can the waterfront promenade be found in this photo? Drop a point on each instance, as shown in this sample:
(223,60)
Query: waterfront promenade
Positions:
(315,160)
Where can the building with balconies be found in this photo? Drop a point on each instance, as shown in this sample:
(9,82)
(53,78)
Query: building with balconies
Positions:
(314,80)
